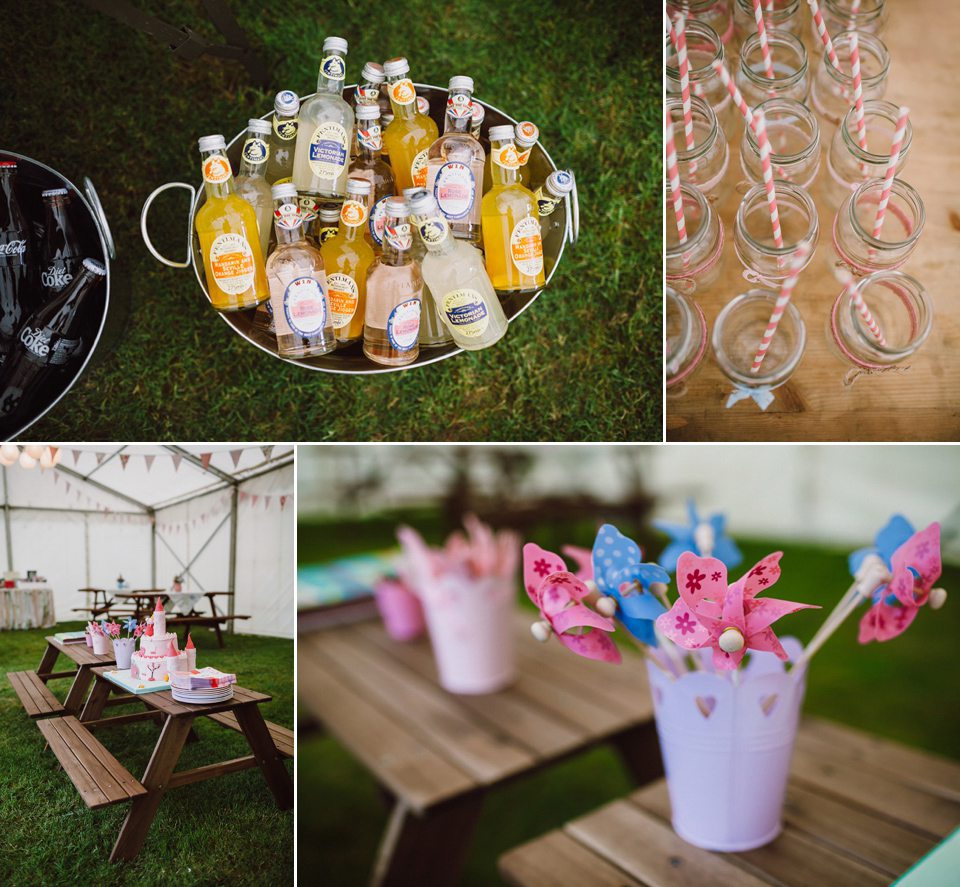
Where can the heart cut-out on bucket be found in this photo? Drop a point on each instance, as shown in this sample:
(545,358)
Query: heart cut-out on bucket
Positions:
(706,704)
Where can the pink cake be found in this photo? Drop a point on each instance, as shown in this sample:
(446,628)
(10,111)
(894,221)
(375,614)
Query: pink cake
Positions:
(158,654)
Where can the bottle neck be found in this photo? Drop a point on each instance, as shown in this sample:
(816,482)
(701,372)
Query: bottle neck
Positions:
(10,212)
(459,114)
(66,317)
(56,213)
(403,97)
(253,158)
(397,241)
(288,222)
(369,140)
(434,233)
(217,175)
(504,164)
(332,69)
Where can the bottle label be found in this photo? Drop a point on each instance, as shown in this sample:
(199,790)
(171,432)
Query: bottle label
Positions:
(523,156)
(326,233)
(367,95)
(344,296)
(216,169)
(55,278)
(333,67)
(433,231)
(400,237)
(328,150)
(506,157)
(36,340)
(288,217)
(14,248)
(402,92)
(545,203)
(255,151)
(308,209)
(353,213)
(455,190)
(526,248)
(231,261)
(403,325)
(286,130)
(466,312)
(304,306)
(371,139)
(459,106)
(64,350)
(378,218)
(418,169)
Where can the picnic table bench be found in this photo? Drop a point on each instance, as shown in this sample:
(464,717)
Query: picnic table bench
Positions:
(859,811)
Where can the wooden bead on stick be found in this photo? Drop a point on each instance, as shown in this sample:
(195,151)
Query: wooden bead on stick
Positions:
(731,640)
(938,597)
(606,606)
(541,631)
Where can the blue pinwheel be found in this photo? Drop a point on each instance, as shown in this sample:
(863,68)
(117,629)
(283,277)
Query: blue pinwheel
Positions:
(889,538)
(683,537)
(130,625)
(620,573)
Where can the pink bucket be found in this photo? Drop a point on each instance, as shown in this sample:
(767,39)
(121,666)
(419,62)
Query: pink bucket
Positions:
(726,748)
(400,610)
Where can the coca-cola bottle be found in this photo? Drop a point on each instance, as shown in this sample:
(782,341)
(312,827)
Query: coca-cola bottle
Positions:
(50,345)
(18,292)
(60,251)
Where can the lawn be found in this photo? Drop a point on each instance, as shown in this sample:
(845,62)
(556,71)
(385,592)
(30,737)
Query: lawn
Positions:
(221,831)
(583,363)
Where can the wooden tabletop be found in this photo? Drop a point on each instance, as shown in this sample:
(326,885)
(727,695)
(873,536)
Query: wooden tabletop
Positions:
(922,403)
(859,812)
(80,653)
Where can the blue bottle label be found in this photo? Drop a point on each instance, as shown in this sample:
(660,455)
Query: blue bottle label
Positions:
(333,67)
(328,150)
(403,325)
(255,151)
(305,306)
(455,190)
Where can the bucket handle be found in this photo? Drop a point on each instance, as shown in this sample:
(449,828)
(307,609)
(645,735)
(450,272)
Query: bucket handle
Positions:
(143,224)
(100,217)
(573,216)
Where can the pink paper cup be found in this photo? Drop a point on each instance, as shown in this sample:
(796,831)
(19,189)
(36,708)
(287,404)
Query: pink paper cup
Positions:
(400,610)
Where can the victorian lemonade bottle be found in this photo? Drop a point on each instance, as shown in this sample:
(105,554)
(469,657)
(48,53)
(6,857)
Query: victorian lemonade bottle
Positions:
(250,183)
(433,331)
(283,137)
(229,239)
(410,133)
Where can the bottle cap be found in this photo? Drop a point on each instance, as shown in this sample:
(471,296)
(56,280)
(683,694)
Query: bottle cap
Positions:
(397,207)
(336,44)
(54,192)
(559,182)
(395,67)
(501,133)
(527,133)
(282,192)
(95,267)
(421,202)
(359,186)
(330,212)
(286,102)
(255,124)
(408,191)
(479,112)
(212,143)
(461,82)
(373,72)
(367,112)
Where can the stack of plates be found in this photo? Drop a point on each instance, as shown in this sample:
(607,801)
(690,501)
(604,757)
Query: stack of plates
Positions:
(203,695)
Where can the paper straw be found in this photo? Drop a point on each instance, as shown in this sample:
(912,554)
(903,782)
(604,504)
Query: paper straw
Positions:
(764,46)
(895,150)
(768,177)
(683,64)
(854,9)
(799,257)
(673,171)
(853,291)
(858,91)
(824,35)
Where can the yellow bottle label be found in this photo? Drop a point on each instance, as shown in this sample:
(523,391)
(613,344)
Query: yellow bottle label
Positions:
(353,213)
(328,150)
(526,247)
(433,230)
(255,151)
(402,92)
(231,261)
(466,312)
(216,169)
(506,157)
(344,296)
(418,169)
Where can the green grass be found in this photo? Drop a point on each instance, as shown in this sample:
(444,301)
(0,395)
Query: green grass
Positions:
(905,689)
(583,363)
(221,831)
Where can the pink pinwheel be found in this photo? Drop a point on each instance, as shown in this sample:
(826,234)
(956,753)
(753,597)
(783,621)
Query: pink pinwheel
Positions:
(708,613)
(558,594)
(915,567)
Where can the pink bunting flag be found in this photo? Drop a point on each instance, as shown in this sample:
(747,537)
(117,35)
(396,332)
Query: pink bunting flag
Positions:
(205,460)
(266,452)
(149,461)
(176,461)
(235,455)
(76,456)
(123,460)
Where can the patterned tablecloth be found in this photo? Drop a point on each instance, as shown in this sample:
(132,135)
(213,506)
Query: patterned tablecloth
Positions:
(29,605)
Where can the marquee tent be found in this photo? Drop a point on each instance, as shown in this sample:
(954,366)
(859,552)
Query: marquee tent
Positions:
(220,516)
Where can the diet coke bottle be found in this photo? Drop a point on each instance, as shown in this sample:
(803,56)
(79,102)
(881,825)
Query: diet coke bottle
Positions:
(60,252)
(18,292)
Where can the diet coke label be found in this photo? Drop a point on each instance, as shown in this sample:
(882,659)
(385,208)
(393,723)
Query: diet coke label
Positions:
(55,278)
(36,340)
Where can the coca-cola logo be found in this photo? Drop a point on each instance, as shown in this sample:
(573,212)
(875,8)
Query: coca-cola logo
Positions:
(55,278)
(13,248)
(35,340)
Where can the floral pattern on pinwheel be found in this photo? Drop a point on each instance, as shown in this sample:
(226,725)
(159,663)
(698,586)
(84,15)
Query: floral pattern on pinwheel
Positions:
(618,569)
(558,594)
(683,538)
(707,606)
(915,566)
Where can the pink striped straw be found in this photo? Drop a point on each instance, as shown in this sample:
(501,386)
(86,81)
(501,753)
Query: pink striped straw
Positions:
(891,170)
(853,291)
(858,91)
(683,64)
(764,45)
(673,171)
(802,251)
(824,35)
(768,177)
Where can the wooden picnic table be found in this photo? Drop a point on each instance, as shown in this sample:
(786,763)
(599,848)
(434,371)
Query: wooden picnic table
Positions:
(144,602)
(85,660)
(437,754)
(919,403)
(859,812)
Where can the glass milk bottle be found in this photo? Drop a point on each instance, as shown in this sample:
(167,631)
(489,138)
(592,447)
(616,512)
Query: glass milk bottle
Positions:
(229,238)
(794,136)
(283,138)
(694,265)
(391,330)
(705,164)
(716,13)
(346,258)
(326,122)
(511,226)
(298,285)
(433,331)
(251,185)
(552,229)
(410,134)
(455,274)
(686,341)
(870,17)
(370,167)
(791,76)
(704,46)
(455,165)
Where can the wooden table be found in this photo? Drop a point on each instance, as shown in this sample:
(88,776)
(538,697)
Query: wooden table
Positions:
(142,601)
(922,403)
(438,754)
(84,658)
(859,812)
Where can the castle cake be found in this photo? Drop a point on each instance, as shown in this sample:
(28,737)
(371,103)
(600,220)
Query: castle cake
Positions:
(158,655)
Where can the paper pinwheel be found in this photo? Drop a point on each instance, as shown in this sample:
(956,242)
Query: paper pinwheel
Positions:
(915,566)
(558,594)
(731,620)
(897,531)
(620,573)
(694,537)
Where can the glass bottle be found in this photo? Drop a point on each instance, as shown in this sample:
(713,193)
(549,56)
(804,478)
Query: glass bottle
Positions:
(704,47)
(693,266)
(19,294)
(367,92)
(552,227)
(794,136)
(785,15)
(410,133)
(370,167)
(455,164)
(705,165)
(346,258)
(283,138)
(791,76)
(433,331)
(326,121)
(716,13)
(310,216)
(476,124)
(50,348)
(229,239)
(60,252)
(686,341)
(394,288)
(525,137)
(455,274)
(839,16)
(298,291)
(510,224)
(329,222)
(250,182)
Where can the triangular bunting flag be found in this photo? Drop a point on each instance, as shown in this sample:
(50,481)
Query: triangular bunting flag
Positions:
(266,501)
(235,455)
(56,477)
(149,461)
(176,462)
(266,452)
(205,459)
(99,457)
(53,452)
(253,498)
(123,460)
(283,501)
(68,486)
(76,456)
(242,496)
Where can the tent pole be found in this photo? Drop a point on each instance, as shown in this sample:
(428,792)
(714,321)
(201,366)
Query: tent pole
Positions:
(6,521)
(231,600)
(153,548)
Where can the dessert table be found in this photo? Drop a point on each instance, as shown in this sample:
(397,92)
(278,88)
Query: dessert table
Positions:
(438,754)
(29,605)
(819,403)
(859,811)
